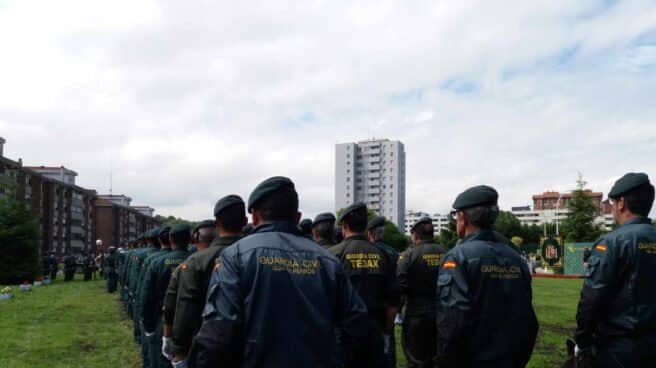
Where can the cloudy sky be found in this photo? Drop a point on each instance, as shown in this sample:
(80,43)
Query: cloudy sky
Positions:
(190,100)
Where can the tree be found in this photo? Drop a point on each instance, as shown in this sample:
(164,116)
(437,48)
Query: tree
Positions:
(19,245)
(508,225)
(579,225)
(172,220)
(448,236)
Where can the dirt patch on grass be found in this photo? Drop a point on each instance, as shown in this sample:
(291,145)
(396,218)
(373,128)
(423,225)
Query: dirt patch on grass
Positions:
(85,346)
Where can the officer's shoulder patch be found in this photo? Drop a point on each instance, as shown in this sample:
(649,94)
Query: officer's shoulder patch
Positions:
(449,264)
(601,247)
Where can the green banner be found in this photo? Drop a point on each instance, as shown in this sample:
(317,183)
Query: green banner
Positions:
(574,258)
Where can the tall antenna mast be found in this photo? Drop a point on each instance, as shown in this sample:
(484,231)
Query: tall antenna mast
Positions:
(111,168)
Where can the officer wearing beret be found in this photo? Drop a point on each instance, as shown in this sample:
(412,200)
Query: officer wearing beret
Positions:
(195,273)
(372,275)
(485,315)
(305,227)
(203,234)
(153,245)
(323,229)
(417,274)
(375,234)
(275,296)
(155,281)
(111,265)
(616,317)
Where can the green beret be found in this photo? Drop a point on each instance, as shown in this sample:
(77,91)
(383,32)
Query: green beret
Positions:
(326,216)
(423,220)
(355,206)
(270,185)
(226,202)
(164,231)
(375,222)
(626,183)
(179,229)
(476,196)
(203,224)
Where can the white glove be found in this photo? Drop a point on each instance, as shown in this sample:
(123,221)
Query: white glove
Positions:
(149,334)
(577,350)
(167,348)
(179,363)
(398,319)
(387,339)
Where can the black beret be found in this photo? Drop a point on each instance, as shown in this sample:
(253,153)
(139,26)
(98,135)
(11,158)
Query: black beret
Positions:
(476,196)
(326,216)
(626,183)
(305,225)
(179,228)
(354,207)
(226,202)
(375,222)
(203,224)
(270,185)
(423,220)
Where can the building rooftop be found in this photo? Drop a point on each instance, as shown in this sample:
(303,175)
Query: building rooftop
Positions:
(555,195)
(52,168)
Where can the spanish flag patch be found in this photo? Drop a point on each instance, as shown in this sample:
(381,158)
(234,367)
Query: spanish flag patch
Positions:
(601,247)
(449,264)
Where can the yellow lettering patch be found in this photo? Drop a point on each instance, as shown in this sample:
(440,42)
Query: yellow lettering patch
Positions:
(294,266)
(649,248)
(449,264)
(363,260)
(601,247)
(501,272)
(432,260)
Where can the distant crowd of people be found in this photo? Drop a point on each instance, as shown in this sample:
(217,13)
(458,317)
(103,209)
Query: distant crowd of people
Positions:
(91,265)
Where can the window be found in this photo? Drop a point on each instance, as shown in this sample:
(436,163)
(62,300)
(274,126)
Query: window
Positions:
(348,179)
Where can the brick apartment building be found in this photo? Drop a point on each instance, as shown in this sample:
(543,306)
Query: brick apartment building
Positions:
(71,218)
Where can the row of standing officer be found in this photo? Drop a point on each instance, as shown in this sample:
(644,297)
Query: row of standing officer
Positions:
(267,294)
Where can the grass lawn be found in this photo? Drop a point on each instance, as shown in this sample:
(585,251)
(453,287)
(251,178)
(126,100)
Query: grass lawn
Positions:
(78,324)
(72,324)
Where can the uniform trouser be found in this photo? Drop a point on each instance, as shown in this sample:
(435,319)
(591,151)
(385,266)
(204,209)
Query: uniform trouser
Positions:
(112,280)
(390,358)
(419,340)
(53,274)
(157,360)
(369,350)
(626,352)
(87,275)
(68,275)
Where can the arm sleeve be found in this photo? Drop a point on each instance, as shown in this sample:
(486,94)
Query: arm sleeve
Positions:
(219,340)
(454,304)
(147,295)
(170,300)
(392,290)
(402,275)
(188,310)
(599,280)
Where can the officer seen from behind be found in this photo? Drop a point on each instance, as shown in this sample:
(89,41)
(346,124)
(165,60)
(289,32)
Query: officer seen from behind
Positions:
(275,296)
(616,318)
(195,273)
(372,275)
(485,315)
(111,266)
(417,274)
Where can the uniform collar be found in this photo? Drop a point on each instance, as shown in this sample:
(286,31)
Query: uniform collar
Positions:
(277,226)
(637,220)
(483,234)
(356,237)
(225,240)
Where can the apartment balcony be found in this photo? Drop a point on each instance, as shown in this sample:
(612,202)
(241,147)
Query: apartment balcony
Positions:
(77,230)
(77,244)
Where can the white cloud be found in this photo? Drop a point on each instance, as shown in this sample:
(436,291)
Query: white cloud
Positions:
(191,101)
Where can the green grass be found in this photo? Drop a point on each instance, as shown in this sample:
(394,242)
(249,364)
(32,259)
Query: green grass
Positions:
(78,324)
(72,324)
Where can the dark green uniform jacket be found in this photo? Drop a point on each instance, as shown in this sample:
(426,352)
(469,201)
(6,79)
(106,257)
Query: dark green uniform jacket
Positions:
(372,275)
(171,297)
(325,244)
(155,282)
(417,273)
(141,284)
(194,279)
(485,316)
(274,301)
(617,310)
